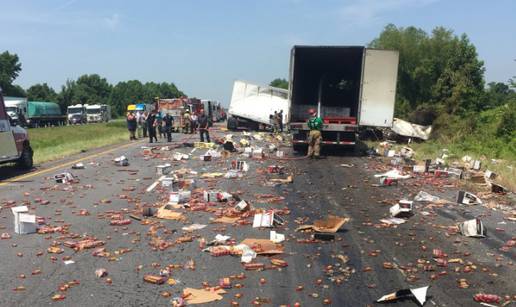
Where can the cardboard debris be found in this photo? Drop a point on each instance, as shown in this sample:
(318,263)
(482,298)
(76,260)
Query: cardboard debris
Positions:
(472,228)
(202,296)
(166,212)
(423,196)
(193,227)
(226,220)
(24,223)
(499,189)
(263,246)
(179,197)
(289,179)
(393,221)
(467,198)
(418,293)
(331,224)
(78,166)
(276,237)
(263,219)
(393,174)
(163,169)
(121,161)
(65,178)
(242,206)
(155,184)
(401,209)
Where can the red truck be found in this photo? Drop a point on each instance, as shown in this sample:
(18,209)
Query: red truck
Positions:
(14,140)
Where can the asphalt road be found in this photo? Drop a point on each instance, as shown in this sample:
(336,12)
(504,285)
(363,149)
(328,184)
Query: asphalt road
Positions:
(320,187)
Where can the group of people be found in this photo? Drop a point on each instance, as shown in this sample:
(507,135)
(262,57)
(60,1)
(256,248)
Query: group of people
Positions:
(194,122)
(276,121)
(152,123)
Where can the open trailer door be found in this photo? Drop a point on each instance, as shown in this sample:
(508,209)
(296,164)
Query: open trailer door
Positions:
(378,92)
(8,149)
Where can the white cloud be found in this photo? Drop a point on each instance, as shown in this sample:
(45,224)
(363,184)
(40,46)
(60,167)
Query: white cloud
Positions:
(362,12)
(113,21)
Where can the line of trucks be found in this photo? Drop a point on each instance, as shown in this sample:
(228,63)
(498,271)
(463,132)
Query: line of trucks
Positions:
(44,113)
(352,88)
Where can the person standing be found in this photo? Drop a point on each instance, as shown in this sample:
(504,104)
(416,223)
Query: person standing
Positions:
(188,122)
(159,124)
(280,120)
(168,122)
(203,126)
(139,121)
(131,125)
(151,124)
(144,124)
(194,119)
(314,138)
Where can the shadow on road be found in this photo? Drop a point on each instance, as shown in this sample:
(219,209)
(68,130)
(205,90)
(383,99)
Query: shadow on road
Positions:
(8,171)
(341,151)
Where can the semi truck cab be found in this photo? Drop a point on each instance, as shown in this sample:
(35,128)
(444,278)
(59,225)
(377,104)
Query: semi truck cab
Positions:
(14,140)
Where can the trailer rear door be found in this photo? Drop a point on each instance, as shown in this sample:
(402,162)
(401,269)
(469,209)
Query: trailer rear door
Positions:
(7,144)
(380,71)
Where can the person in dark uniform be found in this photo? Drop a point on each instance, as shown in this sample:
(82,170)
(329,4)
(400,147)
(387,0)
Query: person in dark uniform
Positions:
(168,122)
(203,123)
(151,125)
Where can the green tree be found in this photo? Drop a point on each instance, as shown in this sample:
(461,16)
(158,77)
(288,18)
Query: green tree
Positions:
(10,68)
(65,97)
(281,83)
(91,89)
(439,72)
(41,92)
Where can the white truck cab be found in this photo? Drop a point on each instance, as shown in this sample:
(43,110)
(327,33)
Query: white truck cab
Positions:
(14,140)
(97,113)
(76,114)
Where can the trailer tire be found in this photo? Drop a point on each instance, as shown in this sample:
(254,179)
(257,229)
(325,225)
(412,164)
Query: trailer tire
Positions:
(232,123)
(25,161)
(300,148)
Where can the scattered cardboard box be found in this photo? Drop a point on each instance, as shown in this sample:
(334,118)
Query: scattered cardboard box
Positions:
(472,228)
(202,296)
(418,293)
(467,198)
(24,223)
(331,224)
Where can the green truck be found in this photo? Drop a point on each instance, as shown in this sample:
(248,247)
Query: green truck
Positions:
(35,113)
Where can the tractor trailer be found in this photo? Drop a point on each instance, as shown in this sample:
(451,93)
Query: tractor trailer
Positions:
(34,113)
(349,86)
(252,105)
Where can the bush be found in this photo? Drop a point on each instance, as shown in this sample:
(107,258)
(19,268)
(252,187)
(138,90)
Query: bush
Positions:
(507,126)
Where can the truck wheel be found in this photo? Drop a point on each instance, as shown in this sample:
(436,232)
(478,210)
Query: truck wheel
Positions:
(232,123)
(25,161)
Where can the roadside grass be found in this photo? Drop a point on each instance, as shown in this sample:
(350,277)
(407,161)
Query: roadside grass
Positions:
(504,167)
(58,142)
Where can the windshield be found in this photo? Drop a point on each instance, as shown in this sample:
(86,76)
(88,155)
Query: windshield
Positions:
(11,109)
(93,111)
(74,110)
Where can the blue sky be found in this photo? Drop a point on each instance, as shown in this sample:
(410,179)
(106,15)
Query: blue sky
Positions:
(204,45)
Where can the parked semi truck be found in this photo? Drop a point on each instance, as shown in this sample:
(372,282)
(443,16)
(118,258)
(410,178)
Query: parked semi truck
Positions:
(251,105)
(14,140)
(349,86)
(97,113)
(76,114)
(34,113)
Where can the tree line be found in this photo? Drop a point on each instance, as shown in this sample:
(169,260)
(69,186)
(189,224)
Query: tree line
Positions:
(440,73)
(87,89)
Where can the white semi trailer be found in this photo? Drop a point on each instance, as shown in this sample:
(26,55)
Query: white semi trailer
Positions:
(252,105)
